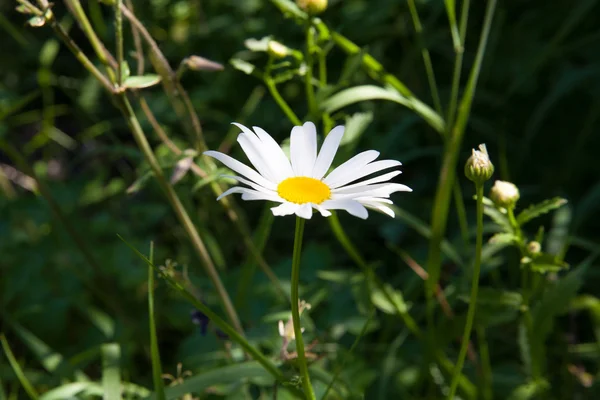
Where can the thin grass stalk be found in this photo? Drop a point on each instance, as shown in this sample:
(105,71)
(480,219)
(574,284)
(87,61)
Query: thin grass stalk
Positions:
(295,299)
(447,175)
(474,291)
(29,389)
(414,14)
(159,387)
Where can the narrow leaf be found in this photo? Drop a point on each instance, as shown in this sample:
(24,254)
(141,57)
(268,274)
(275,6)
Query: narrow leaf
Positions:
(17,369)
(140,82)
(111,371)
(536,210)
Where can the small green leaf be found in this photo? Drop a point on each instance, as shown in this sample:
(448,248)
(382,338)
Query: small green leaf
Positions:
(544,263)
(381,301)
(529,390)
(36,21)
(499,297)
(140,82)
(536,210)
(498,217)
(243,66)
(258,45)
(111,371)
(504,238)
(125,71)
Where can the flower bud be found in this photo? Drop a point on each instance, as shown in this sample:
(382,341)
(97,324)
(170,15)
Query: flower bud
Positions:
(504,194)
(534,247)
(312,6)
(479,168)
(277,49)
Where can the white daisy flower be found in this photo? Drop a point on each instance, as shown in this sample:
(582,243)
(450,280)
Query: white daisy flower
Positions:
(301,182)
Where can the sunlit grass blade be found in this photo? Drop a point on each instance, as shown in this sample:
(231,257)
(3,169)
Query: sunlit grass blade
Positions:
(17,369)
(224,326)
(159,388)
(111,371)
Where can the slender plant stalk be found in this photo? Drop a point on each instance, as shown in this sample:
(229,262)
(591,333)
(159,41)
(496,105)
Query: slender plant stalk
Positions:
(461,214)
(29,389)
(306,385)
(308,79)
(426,57)
(447,174)
(486,365)
(281,102)
(474,290)
(452,20)
(458,60)
(119,40)
(159,388)
(180,211)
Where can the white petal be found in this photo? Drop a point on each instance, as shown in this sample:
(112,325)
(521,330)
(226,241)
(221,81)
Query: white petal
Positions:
(353,207)
(378,206)
(348,170)
(252,147)
(367,170)
(279,162)
(255,186)
(323,211)
(303,149)
(249,194)
(327,152)
(377,179)
(373,199)
(285,209)
(304,211)
(241,169)
(378,190)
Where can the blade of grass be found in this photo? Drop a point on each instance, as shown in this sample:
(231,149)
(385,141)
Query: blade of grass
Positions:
(221,323)
(17,369)
(111,371)
(159,388)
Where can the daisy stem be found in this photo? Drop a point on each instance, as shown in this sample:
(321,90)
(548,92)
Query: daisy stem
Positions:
(308,390)
(474,290)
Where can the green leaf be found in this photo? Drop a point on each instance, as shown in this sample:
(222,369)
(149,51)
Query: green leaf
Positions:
(536,210)
(125,71)
(67,391)
(141,81)
(529,390)
(111,371)
(504,238)
(355,127)
(243,66)
(229,374)
(370,92)
(381,301)
(544,263)
(499,297)
(17,369)
(496,306)
(498,217)
(290,8)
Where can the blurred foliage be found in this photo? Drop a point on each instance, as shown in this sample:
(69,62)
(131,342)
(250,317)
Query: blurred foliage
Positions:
(537,107)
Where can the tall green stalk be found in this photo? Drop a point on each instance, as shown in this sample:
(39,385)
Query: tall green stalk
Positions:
(306,385)
(474,290)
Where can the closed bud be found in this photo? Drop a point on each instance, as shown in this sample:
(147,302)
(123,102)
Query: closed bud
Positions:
(479,168)
(277,49)
(534,247)
(312,6)
(504,194)
(197,63)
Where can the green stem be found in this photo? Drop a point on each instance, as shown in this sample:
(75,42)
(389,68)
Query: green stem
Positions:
(180,211)
(426,57)
(486,365)
(308,390)
(310,90)
(281,102)
(447,175)
(119,40)
(29,389)
(458,60)
(155,354)
(474,289)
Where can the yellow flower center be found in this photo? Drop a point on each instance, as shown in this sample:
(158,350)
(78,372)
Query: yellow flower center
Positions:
(302,189)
